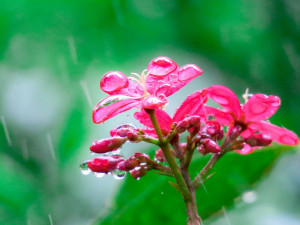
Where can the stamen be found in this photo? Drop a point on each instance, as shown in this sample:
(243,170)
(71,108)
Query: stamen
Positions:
(136,74)
(246,95)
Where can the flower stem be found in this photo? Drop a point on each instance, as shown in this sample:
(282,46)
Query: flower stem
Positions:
(169,157)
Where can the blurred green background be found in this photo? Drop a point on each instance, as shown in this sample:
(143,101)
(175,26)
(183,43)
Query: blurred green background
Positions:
(53,54)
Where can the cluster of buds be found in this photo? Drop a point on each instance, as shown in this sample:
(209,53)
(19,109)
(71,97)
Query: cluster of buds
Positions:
(111,162)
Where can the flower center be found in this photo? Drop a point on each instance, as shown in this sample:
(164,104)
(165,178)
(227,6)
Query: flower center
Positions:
(141,79)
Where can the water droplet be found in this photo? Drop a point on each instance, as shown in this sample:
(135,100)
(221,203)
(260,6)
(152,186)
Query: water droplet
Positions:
(249,196)
(113,81)
(99,175)
(84,168)
(118,174)
(111,100)
(116,152)
(188,72)
(143,164)
(161,66)
(137,168)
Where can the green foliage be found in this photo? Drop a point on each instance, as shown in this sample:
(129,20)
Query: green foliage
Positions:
(152,200)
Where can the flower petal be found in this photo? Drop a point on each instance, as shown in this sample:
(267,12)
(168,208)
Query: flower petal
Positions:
(225,98)
(221,116)
(172,82)
(133,89)
(261,107)
(112,106)
(152,102)
(163,118)
(278,134)
(191,106)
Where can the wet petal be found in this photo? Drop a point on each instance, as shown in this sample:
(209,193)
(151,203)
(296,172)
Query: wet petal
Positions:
(161,66)
(261,107)
(188,72)
(191,106)
(113,81)
(172,82)
(112,106)
(221,116)
(225,98)
(278,134)
(163,118)
(152,102)
(133,89)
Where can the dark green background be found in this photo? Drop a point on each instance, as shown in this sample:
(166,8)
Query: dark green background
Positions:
(53,54)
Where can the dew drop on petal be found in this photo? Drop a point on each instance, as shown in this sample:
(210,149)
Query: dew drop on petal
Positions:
(111,100)
(161,66)
(113,81)
(249,197)
(188,72)
(118,174)
(99,175)
(84,168)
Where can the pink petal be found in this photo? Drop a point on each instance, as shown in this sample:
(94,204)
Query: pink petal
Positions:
(191,106)
(172,82)
(161,66)
(261,107)
(112,106)
(188,72)
(113,81)
(221,116)
(162,117)
(246,150)
(226,98)
(278,134)
(152,102)
(133,89)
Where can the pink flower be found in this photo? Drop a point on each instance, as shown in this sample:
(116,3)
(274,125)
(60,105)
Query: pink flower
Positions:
(251,116)
(147,91)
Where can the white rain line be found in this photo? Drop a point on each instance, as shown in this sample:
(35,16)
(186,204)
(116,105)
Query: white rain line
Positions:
(24,148)
(50,219)
(50,143)
(226,215)
(6,131)
(72,48)
(85,89)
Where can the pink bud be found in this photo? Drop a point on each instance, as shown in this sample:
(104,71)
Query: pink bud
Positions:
(138,173)
(193,120)
(201,149)
(133,136)
(160,156)
(259,140)
(211,146)
(128,164)
(182,126)
(107,144)
(104,164)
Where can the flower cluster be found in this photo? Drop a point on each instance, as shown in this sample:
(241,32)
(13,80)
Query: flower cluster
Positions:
(233,126)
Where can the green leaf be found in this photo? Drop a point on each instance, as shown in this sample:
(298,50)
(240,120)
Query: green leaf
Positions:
(152,200)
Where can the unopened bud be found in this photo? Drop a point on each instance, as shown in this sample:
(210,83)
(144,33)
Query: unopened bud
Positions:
(104,164)
(128,164)
(107,144)
(182,126)
(234,132)
(201,149)
(138,173)
(211,146)
(160,156)
(193,120)
(259,140)
(133,136)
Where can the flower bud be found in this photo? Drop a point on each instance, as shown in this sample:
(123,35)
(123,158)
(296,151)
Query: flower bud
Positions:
(182,126)
(107,144)
(259,140)
(234,132)
(213,129)
(128,164)
(133,136)
(104,164)
(160,156)
(138,173)
(211,146)
(193,120)
(201,149)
